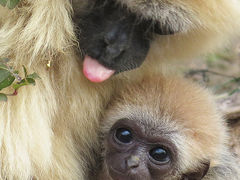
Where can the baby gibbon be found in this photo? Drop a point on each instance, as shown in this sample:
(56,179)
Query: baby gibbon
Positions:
(165,128)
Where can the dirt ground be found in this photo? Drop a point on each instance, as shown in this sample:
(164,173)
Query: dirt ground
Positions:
(221,73)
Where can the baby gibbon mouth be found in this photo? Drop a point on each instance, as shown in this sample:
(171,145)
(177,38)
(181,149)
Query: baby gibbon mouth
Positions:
(94,71)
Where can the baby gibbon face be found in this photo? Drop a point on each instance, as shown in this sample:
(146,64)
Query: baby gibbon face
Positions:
(161,129)
(132,154)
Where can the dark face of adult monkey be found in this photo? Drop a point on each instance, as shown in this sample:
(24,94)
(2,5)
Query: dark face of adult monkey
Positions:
(113,39)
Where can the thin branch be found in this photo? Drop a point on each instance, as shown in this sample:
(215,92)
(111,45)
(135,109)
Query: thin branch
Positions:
(205,71)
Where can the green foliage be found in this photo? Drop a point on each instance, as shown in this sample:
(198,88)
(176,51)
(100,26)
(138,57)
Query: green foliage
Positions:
(11,78)
(9,3)
(3,97)
(8,76)
(232,86)
(237,89)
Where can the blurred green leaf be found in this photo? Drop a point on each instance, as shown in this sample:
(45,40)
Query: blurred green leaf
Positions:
(31,81)
(33,76)
(9,3)
(234,91)
(7,82)
(4,74)
(10,77)
(25,71)
(213,57)
(3,66)
(3,97)
(12,3)
(20,84)
(24,82)
(3,2)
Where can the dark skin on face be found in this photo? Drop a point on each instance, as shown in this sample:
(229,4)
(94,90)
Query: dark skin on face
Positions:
(114,36)
(131,154)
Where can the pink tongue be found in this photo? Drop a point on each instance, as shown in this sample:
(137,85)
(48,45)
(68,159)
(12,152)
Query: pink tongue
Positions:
(94,71)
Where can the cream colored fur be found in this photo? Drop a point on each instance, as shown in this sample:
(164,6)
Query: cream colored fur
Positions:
(185,114)
(48,131)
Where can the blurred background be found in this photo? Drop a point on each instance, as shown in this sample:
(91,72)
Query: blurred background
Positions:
(220,72)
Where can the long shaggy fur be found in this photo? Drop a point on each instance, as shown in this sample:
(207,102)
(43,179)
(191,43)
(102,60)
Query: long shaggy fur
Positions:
(49,131)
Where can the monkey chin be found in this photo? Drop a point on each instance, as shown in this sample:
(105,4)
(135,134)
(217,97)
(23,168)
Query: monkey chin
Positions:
(132,174)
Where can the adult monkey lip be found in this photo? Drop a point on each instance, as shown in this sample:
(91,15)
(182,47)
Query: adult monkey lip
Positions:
(113,40)
(94,71)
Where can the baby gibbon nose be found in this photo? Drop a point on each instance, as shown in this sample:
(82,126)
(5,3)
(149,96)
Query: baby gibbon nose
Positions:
(133,162)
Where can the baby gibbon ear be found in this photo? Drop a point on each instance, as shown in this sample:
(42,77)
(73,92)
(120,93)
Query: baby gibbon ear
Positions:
(198,174)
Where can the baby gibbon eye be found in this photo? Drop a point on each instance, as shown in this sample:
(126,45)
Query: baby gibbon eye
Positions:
(123,135)
(159,155)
